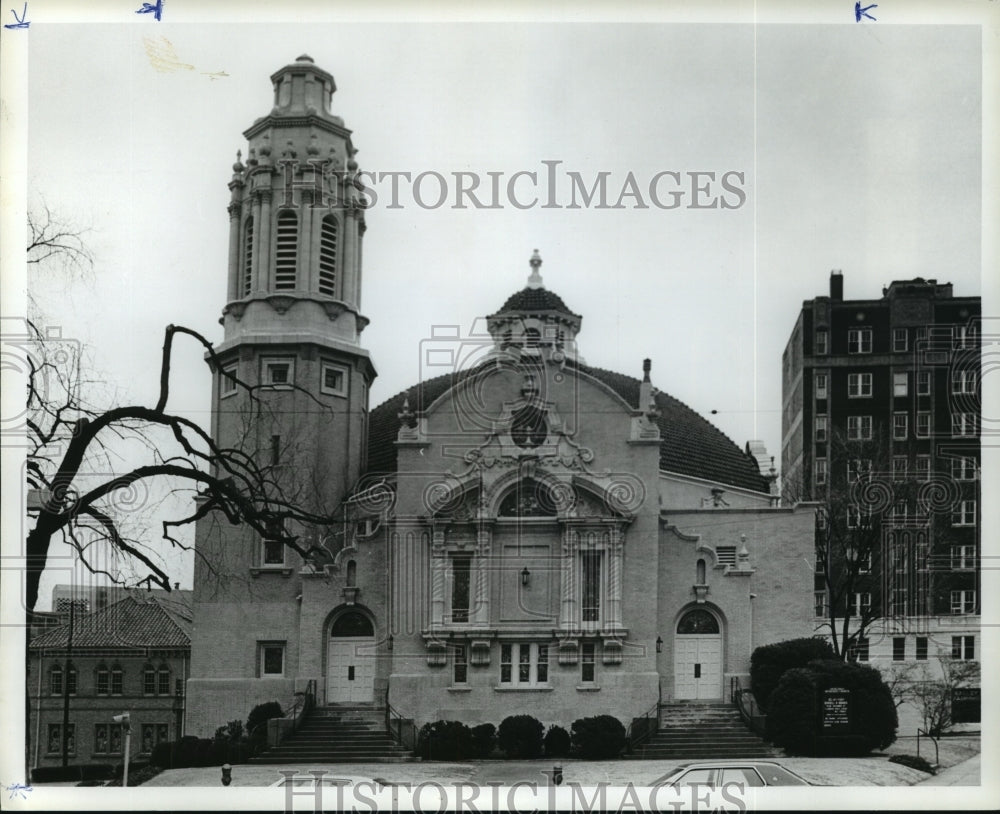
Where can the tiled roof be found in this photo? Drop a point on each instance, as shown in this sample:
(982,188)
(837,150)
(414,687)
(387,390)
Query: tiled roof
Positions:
(132,622)
(690,444)
(532,300)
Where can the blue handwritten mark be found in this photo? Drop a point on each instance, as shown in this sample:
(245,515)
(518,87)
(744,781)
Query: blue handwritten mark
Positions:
(156,9)
(863,12)
(18,788)
(21,21)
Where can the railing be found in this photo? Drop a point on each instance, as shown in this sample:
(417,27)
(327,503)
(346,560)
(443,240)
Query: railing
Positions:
(291,717)
(642,728)
(401,730)
(937,757)
(747,706)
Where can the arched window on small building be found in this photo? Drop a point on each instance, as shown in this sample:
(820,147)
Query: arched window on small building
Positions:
(352,573)
(700,573)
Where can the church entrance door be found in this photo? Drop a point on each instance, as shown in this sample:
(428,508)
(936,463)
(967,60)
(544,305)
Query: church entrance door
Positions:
(350,666)
(698,657)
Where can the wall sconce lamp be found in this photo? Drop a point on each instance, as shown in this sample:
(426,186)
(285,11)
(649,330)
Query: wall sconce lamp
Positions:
(659,645)
(525,576)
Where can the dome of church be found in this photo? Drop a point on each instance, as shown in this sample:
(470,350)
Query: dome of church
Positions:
(690,444)
(533,300)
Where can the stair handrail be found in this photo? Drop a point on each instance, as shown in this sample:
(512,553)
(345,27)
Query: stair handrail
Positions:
(392,715)
(746,703)
(634,739)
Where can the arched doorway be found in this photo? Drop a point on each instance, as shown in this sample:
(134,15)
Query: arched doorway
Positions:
(698,657)
(350,662)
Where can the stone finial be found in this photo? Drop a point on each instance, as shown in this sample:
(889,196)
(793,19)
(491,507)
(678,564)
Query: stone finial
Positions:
(647,366)
(238,166)
(407,418)
(535,278)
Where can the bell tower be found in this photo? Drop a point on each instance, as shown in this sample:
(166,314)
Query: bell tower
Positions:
(292,328)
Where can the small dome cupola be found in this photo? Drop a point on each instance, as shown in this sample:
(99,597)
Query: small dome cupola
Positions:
(535,318)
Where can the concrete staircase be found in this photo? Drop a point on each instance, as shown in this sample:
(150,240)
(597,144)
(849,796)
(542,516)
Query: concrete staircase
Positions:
(695,731)
(339,733)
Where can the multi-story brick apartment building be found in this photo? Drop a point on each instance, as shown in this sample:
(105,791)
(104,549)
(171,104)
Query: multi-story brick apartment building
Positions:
(881,411)
(130,656)
(518,533)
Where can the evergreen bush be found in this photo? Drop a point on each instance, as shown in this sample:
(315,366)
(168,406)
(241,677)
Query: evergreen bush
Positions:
(520,736)
(444,740)
(484,740)
(769,662)
(557,742)
(602,736)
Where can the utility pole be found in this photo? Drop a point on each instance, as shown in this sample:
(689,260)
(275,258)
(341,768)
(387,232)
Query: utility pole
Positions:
(66,675)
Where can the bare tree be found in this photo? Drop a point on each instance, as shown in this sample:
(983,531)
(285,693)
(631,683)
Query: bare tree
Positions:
(933,696)
(53,239)
(70,445)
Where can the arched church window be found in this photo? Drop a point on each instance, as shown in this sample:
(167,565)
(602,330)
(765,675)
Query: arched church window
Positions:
(528,499)
(352,573)
(248,257)
(697,622)
(529,429)
(700,573)
(286,250)
(352,623)
(328,256)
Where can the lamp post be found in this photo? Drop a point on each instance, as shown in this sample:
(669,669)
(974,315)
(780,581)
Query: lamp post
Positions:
(125,720)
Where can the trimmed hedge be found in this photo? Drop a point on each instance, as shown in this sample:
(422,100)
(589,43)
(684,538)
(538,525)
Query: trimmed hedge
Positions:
(794,720)
(63,774)
(602,736)
(769,662)
(444,740)
(557,742)
(914,762)
(520,736)
(190,751)
(484,740)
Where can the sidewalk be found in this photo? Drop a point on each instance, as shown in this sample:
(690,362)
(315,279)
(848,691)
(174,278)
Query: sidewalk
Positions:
(966,773)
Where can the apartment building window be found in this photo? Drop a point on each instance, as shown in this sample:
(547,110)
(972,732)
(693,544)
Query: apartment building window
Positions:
(897,605)
(859,428)
(821,427)
(899,340)
(859,385)
(963,424)
(963,468)
(861,603)
(923,425)
(964,513)
(963,648)
(963,602)
(898,514)
(524,664)
(822,341)
(900,384)
(899,467)
(859,340)
(965,336)
(820,471)
(900,426)
(921,648)
(923,383)
(588,652)
(821,385)
(923,467)
(858,468)
(819,604)
(864,561)
(821,518)
(857,519)
(460,664)
(899,648)
(963,381)
(963,557)
(858,649)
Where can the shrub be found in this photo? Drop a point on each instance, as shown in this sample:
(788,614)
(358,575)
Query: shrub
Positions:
(137,774)
(57,774)
(557,742)
(794,721)
(444,740)
(914,762)
(162,755)
(520,736)
(769,662)
(602,736)
(484,740)
(233,731)
(259,714)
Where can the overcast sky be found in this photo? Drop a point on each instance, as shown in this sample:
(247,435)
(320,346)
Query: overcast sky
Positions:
(859,148)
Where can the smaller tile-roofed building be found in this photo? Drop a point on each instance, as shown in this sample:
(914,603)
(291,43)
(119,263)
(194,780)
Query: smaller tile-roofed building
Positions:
(131,656)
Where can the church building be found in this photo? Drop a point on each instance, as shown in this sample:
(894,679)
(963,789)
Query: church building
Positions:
(522,534)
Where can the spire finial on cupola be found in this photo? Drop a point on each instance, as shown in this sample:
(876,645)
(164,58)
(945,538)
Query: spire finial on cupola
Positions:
(535,278)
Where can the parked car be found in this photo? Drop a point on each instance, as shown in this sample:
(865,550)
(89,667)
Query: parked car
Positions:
(715,774)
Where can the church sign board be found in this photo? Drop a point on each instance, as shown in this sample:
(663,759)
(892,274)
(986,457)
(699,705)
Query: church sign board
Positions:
(836,711)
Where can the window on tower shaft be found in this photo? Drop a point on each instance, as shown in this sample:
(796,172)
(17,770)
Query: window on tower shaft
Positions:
(286,249)
(328,257)
(248,258)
